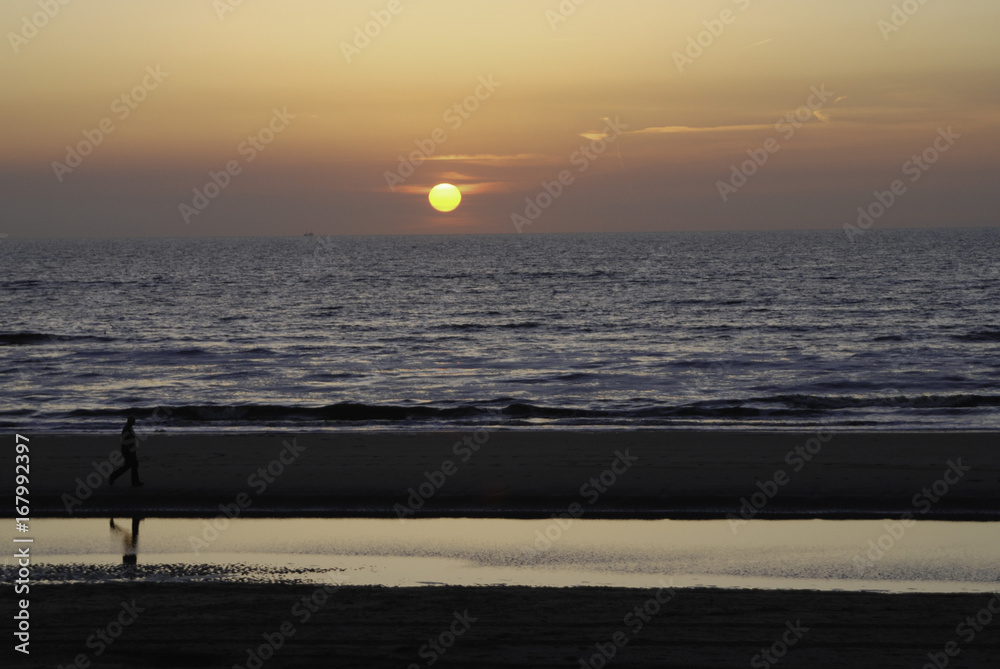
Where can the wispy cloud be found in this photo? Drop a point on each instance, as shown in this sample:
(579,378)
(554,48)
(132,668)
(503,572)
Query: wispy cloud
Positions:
(756,44)
(495,158)
(467,187)
(679,129)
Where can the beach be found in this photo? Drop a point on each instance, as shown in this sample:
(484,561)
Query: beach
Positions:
(220,625)
(608,474)
(509,474)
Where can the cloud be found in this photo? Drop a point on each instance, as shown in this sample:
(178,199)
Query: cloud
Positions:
(495,158)
(756,44)
(680,129)
(467,187)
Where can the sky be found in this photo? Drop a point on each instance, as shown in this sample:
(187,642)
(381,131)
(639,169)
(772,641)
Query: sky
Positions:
(135,118)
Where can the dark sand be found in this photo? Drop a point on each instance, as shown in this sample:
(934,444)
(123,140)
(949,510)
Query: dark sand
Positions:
(213,625)
(678,475)
(521,474)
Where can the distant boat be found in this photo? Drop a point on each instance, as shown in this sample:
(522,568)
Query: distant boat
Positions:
(309,234)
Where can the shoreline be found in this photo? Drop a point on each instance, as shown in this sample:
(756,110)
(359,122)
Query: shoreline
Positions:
(159,506)
(524,474)
(510,429)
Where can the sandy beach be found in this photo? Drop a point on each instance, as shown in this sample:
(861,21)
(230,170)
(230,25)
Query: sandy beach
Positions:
(217,625)
(524,474)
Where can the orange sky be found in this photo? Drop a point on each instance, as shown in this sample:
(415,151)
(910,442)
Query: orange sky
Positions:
(173,90)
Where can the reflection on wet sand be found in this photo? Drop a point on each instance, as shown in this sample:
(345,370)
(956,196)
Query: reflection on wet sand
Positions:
(930,556)
(130,544)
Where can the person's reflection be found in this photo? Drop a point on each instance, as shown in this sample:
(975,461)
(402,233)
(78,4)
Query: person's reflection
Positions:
(130,543)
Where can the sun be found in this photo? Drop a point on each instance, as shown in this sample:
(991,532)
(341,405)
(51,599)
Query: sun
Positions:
(445,197)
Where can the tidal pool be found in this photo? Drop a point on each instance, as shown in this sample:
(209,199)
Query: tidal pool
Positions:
(872,555)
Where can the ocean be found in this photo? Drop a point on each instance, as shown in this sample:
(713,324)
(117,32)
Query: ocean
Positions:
(897,329)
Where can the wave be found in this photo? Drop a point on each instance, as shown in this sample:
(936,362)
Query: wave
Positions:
(833,402)
(979,335)
(344,411)
(773,407)
(37,338)
(523,325)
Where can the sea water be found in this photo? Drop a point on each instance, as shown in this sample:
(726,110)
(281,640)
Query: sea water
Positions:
(768,330)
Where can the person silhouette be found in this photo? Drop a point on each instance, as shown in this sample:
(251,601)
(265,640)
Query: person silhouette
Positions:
(128,452)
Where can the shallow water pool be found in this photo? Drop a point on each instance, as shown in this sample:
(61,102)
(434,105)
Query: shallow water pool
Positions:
(801,554)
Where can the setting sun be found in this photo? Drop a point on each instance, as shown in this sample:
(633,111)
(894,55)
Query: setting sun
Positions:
(445,197)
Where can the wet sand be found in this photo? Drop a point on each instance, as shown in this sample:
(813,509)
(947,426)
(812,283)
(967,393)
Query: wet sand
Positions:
(523,474)
(514,474)
(213,626)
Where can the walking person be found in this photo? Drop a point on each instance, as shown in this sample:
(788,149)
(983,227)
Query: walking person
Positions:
(128,452)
